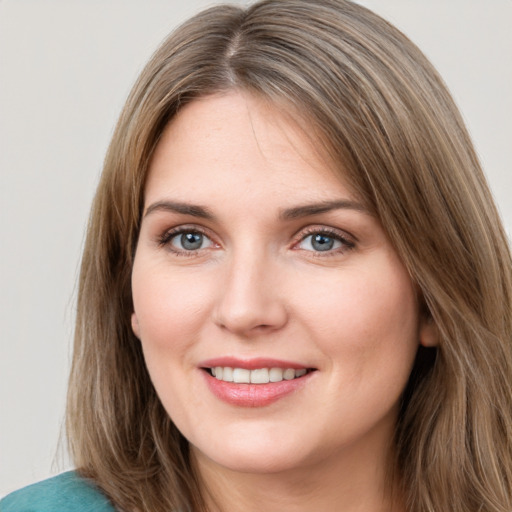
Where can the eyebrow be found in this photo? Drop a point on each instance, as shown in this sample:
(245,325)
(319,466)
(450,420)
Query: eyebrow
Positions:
(287,214)
(322,207)
(178,207)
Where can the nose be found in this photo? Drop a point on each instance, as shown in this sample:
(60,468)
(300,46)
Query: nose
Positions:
(252,298)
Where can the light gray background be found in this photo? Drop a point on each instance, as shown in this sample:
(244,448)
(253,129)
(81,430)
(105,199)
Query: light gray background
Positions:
(65,69)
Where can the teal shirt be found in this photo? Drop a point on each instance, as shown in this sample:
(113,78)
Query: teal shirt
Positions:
(67,492)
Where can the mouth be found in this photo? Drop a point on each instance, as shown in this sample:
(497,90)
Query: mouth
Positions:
(254,383)
(257,375)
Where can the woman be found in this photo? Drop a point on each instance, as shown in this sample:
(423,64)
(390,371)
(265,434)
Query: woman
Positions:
(295,292)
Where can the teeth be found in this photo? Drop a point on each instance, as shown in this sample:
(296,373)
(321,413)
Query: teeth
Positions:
(258,376)
(241,375)
(275,374)
(227,374)
(289,374)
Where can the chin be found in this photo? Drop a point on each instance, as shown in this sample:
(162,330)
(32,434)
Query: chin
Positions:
(258,463)
(254,456)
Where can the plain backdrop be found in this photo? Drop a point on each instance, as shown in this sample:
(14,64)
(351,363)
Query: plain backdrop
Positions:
(66,67)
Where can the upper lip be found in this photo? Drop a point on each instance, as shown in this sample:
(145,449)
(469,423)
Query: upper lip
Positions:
(251,364)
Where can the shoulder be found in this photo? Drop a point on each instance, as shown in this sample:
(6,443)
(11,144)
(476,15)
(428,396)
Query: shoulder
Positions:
(63,493)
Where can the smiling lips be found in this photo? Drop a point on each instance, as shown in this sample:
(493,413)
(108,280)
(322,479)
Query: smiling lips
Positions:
(254,383)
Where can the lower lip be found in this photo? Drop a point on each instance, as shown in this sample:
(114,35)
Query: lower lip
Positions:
(254,395)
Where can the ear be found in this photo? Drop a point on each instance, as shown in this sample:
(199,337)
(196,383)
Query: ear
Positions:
(428,333)
(135,325)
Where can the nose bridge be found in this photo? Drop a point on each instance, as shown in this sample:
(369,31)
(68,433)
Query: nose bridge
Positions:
(250,300)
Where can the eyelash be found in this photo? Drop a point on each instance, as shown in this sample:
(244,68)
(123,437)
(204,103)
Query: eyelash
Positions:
(166,238)
(346,244)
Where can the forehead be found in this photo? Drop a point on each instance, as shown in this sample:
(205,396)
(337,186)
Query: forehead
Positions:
(237,141)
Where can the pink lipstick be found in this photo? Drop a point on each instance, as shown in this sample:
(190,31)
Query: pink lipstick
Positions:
(254,382)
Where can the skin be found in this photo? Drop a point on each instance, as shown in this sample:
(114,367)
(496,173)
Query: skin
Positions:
(258,287)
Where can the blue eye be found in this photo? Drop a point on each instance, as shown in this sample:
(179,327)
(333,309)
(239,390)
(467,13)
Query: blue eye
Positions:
(321,242)
(190,241)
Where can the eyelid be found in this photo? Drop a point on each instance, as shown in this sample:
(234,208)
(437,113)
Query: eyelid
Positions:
(164,239)
(348,241)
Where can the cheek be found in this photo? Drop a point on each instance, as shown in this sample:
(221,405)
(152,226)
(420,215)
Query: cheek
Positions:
(170,311)
(167,306)
(369,314)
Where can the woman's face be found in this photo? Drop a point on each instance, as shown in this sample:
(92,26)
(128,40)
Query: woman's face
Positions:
(256,263)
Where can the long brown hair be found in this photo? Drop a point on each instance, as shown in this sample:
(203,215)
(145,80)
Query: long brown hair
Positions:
(379,109)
